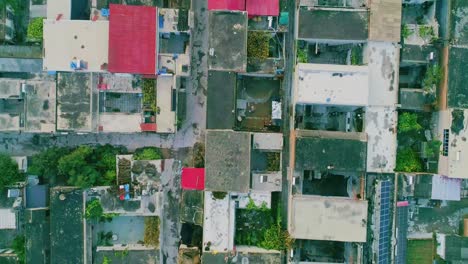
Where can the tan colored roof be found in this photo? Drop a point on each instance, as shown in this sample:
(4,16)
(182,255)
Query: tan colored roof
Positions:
(385,20)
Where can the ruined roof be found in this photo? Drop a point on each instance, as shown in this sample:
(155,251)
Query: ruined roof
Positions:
(227,161)
(228,41)
(220,112)
(260,256)
(332,24)
(66,225)
(381,126)
(132,39)
(74,101)
(457,78)
(328,218)
(459,22)
(37,228)
(10,88)
(318,150)
(40,106)
(416,53)
(412,99)
(385,20)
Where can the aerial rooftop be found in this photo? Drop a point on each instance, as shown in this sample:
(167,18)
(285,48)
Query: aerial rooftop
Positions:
(227,161)
(385,20)
(221,100)
(457,78)
(328,218)
(330,84)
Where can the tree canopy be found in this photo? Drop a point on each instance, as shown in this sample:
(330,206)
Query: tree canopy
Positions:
(147,153)
(408,161)
(258,44)
(35,29)
(10,173)
(94,210)
(408,122)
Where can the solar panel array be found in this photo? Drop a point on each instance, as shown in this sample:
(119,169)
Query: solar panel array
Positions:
(402,221)
(384,234)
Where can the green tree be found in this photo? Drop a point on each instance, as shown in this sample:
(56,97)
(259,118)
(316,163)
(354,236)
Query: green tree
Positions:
(104,159)
(405,32)
(147,153)
(10,173)
(458,120)
(94,210)
(432,78)
(408,122)
(18,245)
(45,164)
(35,29)
(408,161)
(78,168)
(258,44)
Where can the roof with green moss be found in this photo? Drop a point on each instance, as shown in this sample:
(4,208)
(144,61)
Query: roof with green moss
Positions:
(220,113)
(66,225)
(37,228)
(318,153)
(458,78)
(333,24)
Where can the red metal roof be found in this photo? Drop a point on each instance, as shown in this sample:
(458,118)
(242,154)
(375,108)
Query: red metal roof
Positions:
(193,179)
(132,39)
(226,5)
(263,7)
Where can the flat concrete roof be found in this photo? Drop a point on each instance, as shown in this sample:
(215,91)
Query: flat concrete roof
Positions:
(273,181)
(384,63)
(67,40)
(20,65)
(7,218)
(166,117)
(74,104)
(227,161)
(380,126)
(228,41)
(385,20)
(120,122)
(40,103)
(455,164)
(9,122)
(10,88)
(328,84)
(268,141)
(219,224)
(59,7)
(328,218)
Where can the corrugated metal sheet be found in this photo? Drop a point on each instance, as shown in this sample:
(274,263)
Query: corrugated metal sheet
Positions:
(263,7)
(132,39)
(226,5)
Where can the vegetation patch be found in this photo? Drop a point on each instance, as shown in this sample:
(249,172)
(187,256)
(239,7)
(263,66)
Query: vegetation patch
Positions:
(149,94)
(36,29)
(432,78)
(458,119)
(151,231)
(10,173)
(419,251)
(199,155)
(19,246)
(147,153)
(273,161)
(258,44)
(219,195)
(405,32)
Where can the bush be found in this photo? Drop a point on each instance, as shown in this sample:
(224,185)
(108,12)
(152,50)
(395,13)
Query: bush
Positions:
(10,173)
(19,246)
(426,32)
(258,44)
(432,78)
(151,231)
(458,119)
(94,210)
(408,161)
(219,195)
(302,56)
(408,122)
(405,32)
(273,161)
(149,94)
(199,155)
(35,29)
(147,153)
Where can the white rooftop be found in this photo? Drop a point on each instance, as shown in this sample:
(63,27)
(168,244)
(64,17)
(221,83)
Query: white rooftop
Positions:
(455,164)
(7,219)
(380,126)
(384,63)
(60,8)
(120,122)
(444,188)
(166,118)
(268,141)
(219,223)
(68,40)
(328,84)
(328,218)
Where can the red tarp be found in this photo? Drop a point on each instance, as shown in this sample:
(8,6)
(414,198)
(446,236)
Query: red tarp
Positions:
(148,127)
(263,7)
(132,39)
(226,5)
(402,203)
(193,179)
